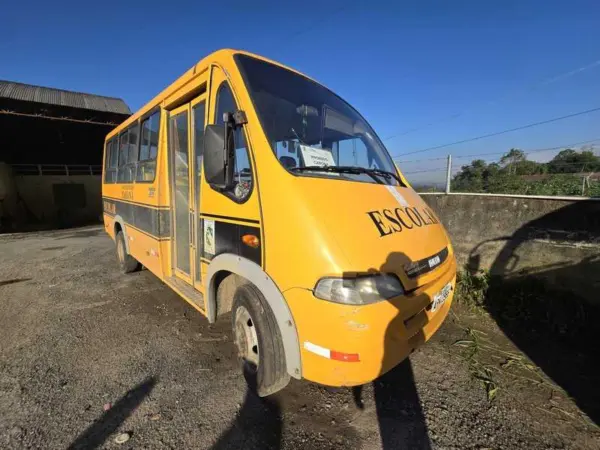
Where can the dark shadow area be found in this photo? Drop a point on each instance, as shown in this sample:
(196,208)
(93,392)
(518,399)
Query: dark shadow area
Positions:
(97,433)
(551,310)
(258,425)
(80,234)
(13,281)
(399,414)
(60,247)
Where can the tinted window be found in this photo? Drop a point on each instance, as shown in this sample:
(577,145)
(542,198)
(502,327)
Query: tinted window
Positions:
(123,148)
(114,153)
(133,138)
(146,169)
(110,160)
(242,171)
(127,155)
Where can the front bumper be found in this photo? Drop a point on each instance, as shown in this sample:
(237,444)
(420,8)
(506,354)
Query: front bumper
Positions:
(382,334)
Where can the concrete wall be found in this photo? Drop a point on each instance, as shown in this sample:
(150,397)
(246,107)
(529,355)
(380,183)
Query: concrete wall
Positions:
(556,239)
(32,201)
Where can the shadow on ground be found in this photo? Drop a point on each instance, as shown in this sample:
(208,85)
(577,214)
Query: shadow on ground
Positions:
(399,414)
(80,234)
(13,281)
(555,327)
(258,424)
(97,433)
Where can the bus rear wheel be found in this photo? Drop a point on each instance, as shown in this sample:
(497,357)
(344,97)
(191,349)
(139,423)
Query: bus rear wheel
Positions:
(258,342)
(127,263)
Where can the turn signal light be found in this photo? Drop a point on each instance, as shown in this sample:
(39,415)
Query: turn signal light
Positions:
(250,240)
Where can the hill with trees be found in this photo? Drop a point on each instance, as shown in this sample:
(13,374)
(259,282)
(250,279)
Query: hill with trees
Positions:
(570,172)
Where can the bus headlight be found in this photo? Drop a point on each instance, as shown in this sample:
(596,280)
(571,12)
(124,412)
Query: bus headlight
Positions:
(361,290)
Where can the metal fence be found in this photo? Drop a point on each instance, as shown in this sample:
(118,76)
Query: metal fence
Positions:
(56,169)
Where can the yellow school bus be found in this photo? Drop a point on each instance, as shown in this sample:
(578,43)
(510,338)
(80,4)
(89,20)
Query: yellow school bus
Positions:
(251,189)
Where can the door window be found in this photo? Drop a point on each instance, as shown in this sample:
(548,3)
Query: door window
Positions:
(179,152)
(242,173)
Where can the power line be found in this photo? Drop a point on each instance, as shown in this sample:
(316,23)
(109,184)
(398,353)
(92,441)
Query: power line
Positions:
(497,133)
(527,152)
(444,169)
(490,102)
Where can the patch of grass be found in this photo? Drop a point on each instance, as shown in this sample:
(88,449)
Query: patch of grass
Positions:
(479,371)
(487,360)
(529,302)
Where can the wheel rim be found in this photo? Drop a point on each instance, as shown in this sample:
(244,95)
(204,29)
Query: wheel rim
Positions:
(246,338)
(120,251)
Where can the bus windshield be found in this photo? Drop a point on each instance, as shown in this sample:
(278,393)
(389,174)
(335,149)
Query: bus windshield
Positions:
(312,131)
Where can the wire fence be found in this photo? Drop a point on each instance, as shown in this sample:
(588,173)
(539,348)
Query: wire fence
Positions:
(501,175)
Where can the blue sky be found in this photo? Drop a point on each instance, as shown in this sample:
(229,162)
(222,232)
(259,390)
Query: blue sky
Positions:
(403,64)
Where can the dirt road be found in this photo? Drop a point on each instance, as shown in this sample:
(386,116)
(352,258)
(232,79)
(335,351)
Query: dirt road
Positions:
(87,354)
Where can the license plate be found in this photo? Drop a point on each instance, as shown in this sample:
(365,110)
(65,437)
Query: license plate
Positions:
(441,297)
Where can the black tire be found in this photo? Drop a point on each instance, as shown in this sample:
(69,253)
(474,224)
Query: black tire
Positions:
(270,374)
(127,263)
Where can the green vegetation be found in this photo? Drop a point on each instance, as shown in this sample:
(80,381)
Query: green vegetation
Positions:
(568,173)
(529,303)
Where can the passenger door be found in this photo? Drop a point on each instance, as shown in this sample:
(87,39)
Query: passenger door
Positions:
(186,131)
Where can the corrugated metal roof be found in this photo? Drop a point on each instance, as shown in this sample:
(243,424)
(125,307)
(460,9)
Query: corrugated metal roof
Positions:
(51,96)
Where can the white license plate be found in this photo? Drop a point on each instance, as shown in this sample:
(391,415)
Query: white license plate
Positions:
(441,297)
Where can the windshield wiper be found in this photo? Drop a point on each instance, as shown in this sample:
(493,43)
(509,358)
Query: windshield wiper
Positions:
(373,173)
(387,175)
(336,169)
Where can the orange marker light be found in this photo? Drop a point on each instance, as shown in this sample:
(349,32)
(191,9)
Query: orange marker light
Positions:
(250,240)
(347,357)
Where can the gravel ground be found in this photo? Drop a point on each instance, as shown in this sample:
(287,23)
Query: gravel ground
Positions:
(89,356)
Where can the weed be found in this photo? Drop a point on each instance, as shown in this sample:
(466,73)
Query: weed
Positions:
(530,303)
(478,370)
(471,288)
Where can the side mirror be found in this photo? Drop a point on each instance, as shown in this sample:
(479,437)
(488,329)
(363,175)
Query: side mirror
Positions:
(219,156)
(219,150)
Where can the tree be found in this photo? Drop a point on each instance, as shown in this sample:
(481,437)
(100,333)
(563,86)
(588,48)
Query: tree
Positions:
(571,161)
(511,158)
(470,178)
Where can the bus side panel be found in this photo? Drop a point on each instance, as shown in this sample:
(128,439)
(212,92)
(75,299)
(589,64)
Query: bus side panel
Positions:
(145,249)
(109,225)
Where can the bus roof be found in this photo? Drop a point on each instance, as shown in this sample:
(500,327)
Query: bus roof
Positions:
(200,66)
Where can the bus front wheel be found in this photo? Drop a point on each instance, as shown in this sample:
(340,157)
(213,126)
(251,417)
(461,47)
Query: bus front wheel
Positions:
(258,342)
(127,263)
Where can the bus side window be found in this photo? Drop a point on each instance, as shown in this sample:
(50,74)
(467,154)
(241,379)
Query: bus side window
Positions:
(242,171)
(123,156)
(111,158)
(128,154)
(146,168)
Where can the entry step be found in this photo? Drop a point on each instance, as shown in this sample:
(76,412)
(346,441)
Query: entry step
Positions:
(188,291)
